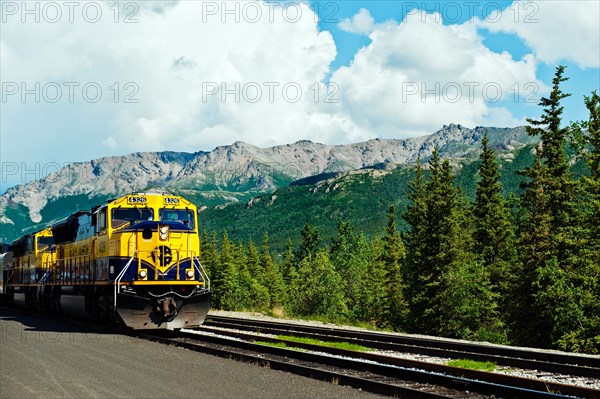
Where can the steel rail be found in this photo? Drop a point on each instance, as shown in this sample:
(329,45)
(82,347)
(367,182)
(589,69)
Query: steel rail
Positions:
(583,366)
(494,378)
(368,385)
(387,371)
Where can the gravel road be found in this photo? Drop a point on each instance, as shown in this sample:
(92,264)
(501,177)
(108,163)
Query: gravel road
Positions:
(42,357)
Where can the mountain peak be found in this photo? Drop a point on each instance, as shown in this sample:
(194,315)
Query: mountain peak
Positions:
(230,173)
(305,142)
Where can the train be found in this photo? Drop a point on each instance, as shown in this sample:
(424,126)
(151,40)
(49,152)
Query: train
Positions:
(133,260)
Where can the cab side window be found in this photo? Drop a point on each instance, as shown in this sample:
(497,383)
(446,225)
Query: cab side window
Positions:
(101,225)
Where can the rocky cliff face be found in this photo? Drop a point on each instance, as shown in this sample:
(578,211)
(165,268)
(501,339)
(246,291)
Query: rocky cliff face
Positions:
(235,172)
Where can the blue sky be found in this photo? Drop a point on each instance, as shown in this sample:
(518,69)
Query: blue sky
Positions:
(188,76)
(582,80)
(452,12)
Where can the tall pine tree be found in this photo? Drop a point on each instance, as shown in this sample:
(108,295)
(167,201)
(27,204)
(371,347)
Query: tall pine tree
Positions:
(439,251)
(310,242)
(288,267)
(358,288)
(493,235)
(529,323)
(376,301)
(226,280)
(350,257)
(584,334)
(453,296)
(591,214)
(273,279)
(557,293)
(318,288)
(391,259)
(416,217)
(208,253)
(560,186)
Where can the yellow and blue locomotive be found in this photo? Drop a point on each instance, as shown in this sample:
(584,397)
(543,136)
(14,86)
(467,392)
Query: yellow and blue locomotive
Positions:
(133,259)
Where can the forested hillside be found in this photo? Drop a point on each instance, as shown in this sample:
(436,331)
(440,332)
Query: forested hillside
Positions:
(360,197)
(506,252)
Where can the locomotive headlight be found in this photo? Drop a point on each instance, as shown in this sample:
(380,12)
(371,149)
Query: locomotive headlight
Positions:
(190,274)
(143,274)
(163,233)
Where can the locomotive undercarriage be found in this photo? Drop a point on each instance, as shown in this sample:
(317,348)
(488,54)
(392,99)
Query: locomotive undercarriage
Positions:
(142,308)
(168,311)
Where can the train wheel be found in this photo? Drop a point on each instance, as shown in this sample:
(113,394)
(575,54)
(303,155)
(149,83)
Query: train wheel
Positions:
(47,300)
(55,301)
(31,298)
(9,297)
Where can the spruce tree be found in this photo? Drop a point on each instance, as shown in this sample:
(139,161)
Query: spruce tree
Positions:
(441,247)
(425,247)
(273,279)
(208,253)
(557,292)
(470,300)
(391,258)
(493,235)
(254,266)
(454,297)
(288,266)
(560,186)
(310,242)
(346,258)
(245,299)
(342,246)
(293,292)
(376,300)
(357,280)
(416,217)
(592,182)
(259,298)
(318,288)
(587,339)
(529,323)
(584,321)
(226,282)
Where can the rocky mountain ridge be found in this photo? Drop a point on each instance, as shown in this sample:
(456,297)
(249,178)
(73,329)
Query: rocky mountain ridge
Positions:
(236,172)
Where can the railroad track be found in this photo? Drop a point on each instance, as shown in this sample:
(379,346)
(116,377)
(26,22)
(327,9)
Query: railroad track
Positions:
(384,375)
(353,369)
(552,362)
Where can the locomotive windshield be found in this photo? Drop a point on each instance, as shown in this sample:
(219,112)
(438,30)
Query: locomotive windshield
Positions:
(43,243)
(128,216)
(184,216)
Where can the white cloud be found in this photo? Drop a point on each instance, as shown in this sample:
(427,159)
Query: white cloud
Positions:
(362,22)
(417,75)
(173,55)
(555,30)
(179,57)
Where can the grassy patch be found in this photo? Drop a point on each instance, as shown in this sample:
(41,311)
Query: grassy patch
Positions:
(275,344)
(341,321)
(472,364)
(338,345)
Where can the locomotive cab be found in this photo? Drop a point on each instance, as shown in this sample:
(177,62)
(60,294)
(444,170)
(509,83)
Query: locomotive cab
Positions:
(153,249)
(28,265)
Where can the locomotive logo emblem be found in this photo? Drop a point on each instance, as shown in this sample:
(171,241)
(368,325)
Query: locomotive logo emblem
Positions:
(164,255)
